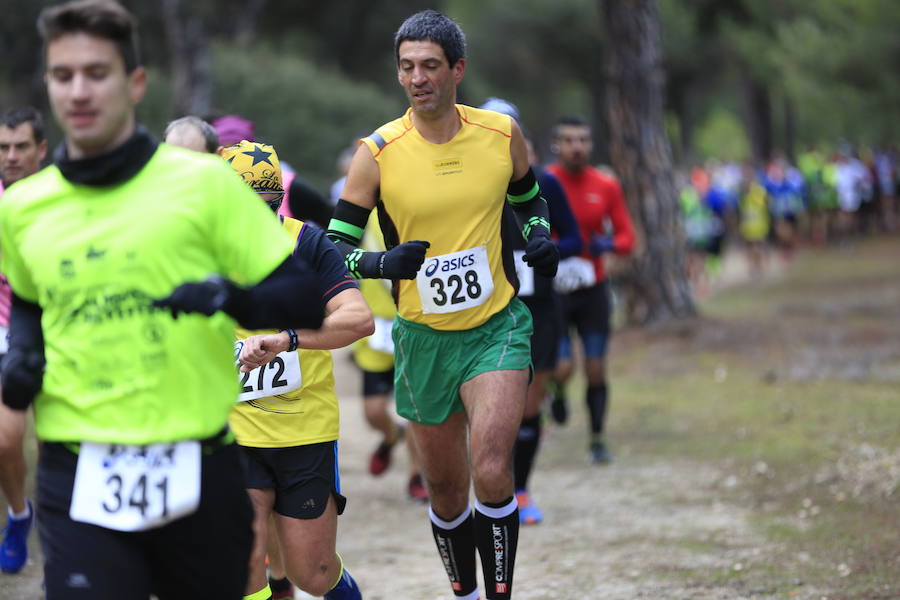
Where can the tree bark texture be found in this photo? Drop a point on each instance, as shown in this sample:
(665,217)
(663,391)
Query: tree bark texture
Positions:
(758,110)
(656,285)
(191,61)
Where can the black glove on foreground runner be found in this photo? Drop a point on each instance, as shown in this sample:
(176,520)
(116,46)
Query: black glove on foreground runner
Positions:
(289,296)
(23,365)
(541,254)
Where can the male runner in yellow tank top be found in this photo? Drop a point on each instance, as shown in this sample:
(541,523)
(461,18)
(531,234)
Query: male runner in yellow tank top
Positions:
(439,176)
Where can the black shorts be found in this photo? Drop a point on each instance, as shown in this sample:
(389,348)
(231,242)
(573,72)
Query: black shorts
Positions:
(302,476)
(588,309)
(202,555)
(547,328)
(378,383)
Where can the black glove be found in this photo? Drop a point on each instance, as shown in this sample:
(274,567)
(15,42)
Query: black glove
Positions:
(541,254)
(204,297)
(22,378)
(403,261)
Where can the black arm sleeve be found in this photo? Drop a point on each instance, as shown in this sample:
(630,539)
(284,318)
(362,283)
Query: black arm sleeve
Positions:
(346,231)
(290,295)
(532,213)
(23,365)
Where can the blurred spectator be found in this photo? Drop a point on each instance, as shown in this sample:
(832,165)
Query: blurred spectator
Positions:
(886,176)
(232,129)
(784,185)
(853,185)
(698,228)
(754,225)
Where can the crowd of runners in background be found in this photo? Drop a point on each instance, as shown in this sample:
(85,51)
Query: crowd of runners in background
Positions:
(821,198)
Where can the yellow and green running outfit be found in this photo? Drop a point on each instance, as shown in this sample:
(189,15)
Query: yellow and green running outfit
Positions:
(460,317)
(309,414)
(94,257)
(452,195)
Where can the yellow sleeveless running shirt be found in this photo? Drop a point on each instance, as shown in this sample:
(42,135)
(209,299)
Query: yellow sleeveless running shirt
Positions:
(308,415)
(451,195)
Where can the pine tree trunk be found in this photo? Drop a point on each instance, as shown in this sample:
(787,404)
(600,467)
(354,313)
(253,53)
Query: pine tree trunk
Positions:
(191,61)
(758,109)
(655,285)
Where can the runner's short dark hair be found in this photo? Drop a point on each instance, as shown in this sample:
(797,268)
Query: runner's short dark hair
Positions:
(569,121)
(25,114)
(432,26)
(101,18)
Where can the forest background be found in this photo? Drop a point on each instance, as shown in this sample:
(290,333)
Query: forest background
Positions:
(743,77)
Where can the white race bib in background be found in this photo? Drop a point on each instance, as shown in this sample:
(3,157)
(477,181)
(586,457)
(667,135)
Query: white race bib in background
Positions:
(382,340)
(525,274)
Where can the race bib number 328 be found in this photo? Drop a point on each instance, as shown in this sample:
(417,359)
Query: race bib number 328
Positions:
(132,488)
(455,281)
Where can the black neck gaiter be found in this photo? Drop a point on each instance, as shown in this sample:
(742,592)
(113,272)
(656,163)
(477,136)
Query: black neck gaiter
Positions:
(116,166)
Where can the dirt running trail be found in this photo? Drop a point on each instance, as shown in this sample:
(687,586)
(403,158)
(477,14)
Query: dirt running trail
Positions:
(609,531)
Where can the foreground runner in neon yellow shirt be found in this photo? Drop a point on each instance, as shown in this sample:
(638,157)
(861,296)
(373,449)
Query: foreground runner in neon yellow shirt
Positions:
(137,463)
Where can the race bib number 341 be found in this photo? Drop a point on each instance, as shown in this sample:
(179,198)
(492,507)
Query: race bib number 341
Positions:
(455,281)
(132,488)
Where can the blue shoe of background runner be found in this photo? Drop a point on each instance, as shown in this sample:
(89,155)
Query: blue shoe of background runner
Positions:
(346,589)
(529,513)
(14,550)
(599,453)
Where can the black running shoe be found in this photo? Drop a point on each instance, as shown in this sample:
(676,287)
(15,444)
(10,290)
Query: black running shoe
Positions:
(559,409)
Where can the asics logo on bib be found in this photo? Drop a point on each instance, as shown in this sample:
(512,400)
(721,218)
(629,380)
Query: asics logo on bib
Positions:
(450,264)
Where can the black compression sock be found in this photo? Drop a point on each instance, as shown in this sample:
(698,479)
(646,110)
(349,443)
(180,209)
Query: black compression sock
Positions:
(596,402)
(527,442)
(455,541)
(497,536)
